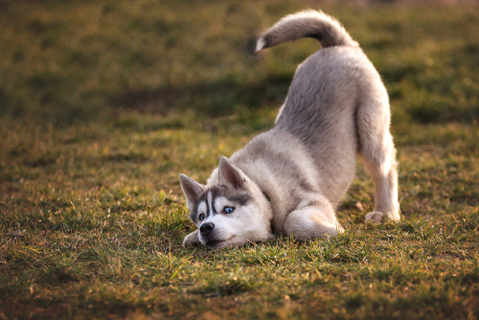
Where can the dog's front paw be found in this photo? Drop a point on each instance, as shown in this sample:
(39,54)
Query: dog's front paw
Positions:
(191,240)
(375,217)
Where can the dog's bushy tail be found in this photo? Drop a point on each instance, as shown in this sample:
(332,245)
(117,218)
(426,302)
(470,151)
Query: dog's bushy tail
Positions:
(306,24)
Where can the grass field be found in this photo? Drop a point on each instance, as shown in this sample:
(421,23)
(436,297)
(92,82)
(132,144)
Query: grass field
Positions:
(104,103)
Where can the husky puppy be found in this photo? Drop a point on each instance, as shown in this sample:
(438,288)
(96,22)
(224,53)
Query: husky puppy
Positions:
(289,179)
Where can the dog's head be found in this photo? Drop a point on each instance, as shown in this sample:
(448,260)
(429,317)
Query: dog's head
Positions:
(230,212)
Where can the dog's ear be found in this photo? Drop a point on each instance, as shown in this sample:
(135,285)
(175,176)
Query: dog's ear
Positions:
(191,189)
(229,176)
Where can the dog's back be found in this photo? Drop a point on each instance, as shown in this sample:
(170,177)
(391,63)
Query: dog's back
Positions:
(327,89)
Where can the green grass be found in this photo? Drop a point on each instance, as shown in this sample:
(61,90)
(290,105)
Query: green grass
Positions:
(104,103)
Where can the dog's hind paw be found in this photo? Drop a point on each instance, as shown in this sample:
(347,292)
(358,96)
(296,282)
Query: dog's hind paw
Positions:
(379,217)
(375,217)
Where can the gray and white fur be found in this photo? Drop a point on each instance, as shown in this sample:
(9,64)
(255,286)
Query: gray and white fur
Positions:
(290,179)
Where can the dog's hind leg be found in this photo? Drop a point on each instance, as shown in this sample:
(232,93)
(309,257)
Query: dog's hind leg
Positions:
(315,220)
(376,149)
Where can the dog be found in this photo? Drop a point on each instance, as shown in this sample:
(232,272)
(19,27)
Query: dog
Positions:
(289,179)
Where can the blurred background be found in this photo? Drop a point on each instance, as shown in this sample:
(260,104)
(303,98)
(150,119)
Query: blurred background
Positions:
(63,62)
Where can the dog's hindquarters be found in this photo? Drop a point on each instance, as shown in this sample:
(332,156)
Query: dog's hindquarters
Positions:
(337,102)
(315,109)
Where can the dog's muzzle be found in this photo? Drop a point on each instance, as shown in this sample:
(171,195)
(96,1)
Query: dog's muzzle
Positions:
(206,230)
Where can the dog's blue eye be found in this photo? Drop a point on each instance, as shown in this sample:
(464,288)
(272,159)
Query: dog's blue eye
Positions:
(228,210)
(202,217)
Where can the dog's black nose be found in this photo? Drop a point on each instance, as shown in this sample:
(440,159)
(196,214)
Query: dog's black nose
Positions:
(206,228)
